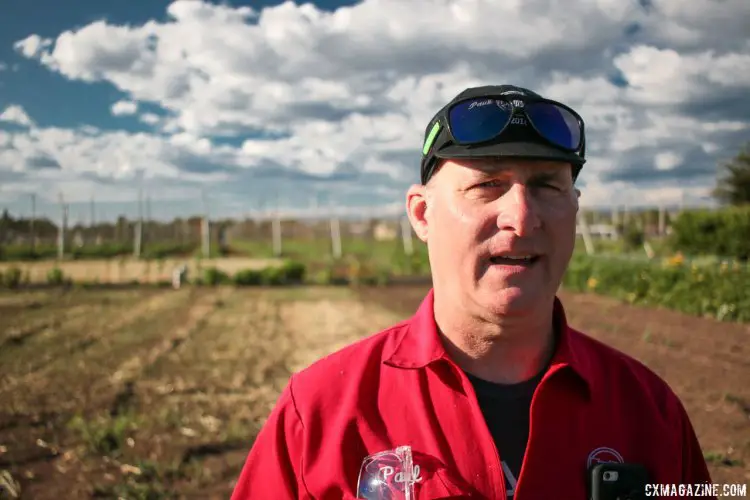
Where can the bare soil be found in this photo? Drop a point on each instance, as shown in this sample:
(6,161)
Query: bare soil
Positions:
(159,393)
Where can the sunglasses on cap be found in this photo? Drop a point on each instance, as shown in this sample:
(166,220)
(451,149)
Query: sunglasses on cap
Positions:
(474,121)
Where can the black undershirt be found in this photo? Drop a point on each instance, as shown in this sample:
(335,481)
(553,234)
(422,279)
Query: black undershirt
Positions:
(506,411)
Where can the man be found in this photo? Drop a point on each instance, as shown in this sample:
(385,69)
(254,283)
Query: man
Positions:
(494,393)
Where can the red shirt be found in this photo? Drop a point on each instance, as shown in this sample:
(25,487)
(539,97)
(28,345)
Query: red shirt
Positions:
(399,387)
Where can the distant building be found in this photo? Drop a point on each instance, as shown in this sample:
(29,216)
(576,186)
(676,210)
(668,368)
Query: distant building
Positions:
(385,231)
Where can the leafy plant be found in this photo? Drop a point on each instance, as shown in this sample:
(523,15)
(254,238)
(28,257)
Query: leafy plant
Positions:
(720,292)
(213,276)
(104,435)
(733,187)
(12,277)
(55,276)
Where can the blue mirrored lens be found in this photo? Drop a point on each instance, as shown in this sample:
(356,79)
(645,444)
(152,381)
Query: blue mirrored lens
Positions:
(556,124)
(478,120)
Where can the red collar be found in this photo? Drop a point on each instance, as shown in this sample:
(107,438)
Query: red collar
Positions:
(420,344)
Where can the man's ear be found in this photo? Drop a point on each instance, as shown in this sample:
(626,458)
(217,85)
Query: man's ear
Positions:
(416,210)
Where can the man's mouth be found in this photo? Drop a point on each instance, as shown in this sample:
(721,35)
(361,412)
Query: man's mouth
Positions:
(514,260)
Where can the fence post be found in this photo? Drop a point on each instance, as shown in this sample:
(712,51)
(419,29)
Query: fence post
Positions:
(335,234)
(662,220)
(406,235)
(138,236)
(588,243)
(61,229)
(33,218)
(205,229)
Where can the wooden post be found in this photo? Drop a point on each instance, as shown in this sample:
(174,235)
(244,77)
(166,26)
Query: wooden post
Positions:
(682,201)
(205,229)
(92,221)
(588,243)
(276,230)
(138,235)
(335,237)
(33,218)
(61,229)
(406,235)
(146,230)
(662,220)
(626,214)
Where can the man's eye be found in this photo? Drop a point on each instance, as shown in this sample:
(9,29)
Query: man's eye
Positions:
(547,185)
(493,183)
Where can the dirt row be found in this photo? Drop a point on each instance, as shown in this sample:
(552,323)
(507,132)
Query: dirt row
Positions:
(160,393)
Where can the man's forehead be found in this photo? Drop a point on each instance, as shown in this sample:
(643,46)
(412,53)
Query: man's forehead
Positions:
(503,165)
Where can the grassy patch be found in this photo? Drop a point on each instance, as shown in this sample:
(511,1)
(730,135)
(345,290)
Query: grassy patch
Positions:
(718,458)
(647,336)
(145,480)
(743,405)
(104,434)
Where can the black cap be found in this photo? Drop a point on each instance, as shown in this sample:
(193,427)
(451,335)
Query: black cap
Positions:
(519,140)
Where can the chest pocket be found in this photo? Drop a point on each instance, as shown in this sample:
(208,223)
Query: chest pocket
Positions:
(436,481)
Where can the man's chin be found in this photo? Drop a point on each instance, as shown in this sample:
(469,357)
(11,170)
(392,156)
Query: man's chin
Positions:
(510,300)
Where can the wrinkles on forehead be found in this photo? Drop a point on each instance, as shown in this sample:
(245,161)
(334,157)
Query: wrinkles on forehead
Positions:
(497,167)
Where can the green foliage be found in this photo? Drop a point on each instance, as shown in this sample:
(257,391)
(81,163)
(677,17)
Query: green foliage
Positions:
(105,251)
(213,276)
(416,264)
(11,277)
(733,187)
(21,253)
(55,276)
(721,292)
(164,250)
(104,435)
(149,484)
(291,272)
(703,232)
(632,237)
(247,277)
(271,276)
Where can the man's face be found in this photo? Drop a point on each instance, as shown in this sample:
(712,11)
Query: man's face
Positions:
(480,214)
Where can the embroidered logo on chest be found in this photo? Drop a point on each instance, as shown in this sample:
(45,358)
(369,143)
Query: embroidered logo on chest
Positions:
(602,455)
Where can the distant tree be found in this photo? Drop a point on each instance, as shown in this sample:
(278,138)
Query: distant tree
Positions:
(733,188)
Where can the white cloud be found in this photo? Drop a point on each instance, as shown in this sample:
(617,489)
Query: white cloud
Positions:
(32,46)
(150,118)
(667,160)
(122,108)
(16,114)
(3,66)
(699,24)
(665,76)
(307,92)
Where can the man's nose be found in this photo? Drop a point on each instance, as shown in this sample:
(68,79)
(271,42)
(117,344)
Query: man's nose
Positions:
(518,211)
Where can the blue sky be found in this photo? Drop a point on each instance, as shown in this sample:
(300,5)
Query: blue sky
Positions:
(258,101)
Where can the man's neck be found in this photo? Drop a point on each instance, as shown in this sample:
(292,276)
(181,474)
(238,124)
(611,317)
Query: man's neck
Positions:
(506,351)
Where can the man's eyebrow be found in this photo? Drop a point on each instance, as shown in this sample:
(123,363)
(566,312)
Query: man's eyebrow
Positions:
(545,176)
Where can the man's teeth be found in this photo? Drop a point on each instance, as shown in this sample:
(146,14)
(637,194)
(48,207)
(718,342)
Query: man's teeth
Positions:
(519,258)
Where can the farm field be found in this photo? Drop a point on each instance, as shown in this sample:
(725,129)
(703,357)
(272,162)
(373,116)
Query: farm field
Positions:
(158,393)
(126,270)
